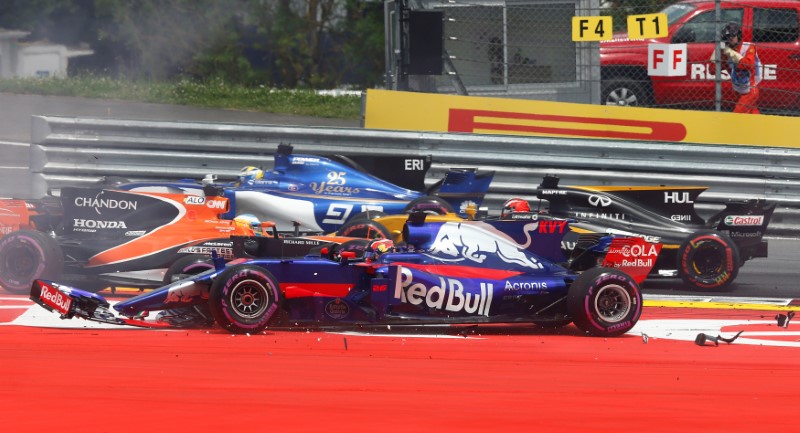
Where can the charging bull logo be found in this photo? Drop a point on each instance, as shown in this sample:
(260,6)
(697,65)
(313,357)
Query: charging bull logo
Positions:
(462,241)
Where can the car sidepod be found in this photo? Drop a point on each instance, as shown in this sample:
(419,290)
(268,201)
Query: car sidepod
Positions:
(432,292)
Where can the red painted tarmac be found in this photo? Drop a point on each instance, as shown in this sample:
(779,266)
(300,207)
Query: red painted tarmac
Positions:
(485,379)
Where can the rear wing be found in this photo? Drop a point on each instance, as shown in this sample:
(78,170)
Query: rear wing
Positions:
(744,216)
(746,222)
(463,188)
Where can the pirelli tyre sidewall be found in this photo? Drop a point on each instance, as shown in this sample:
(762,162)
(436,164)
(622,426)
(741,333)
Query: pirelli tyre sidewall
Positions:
(187,265)
(26,255)
(604,302)
(708,260)
(364,228)
(244,299)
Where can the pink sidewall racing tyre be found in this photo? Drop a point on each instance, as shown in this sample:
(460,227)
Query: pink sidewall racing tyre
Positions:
(604,302)
(26,255)
(244,299)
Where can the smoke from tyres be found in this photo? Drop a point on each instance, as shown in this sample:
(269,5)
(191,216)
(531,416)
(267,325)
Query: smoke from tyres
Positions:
(601,28)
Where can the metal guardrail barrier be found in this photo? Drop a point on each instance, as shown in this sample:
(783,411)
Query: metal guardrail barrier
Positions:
(79,151)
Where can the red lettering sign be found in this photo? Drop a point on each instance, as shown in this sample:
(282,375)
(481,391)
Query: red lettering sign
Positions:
(465,120)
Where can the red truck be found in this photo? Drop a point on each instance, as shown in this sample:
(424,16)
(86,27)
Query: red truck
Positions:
(772,25)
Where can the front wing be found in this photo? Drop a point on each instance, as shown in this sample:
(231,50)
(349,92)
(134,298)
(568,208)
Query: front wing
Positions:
(70,303)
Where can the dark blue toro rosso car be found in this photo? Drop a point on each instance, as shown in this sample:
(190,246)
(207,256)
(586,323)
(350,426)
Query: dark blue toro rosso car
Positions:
(445,273)
(313,194)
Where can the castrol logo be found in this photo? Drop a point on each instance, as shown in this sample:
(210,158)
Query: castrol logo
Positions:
(744,220)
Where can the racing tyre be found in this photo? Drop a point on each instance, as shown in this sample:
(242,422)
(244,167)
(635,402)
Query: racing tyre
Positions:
(367,215)
(708,260)
(186,266)
(365,228)
(26,255)
(244,299)
(429,204)
(604,302)
(622,92)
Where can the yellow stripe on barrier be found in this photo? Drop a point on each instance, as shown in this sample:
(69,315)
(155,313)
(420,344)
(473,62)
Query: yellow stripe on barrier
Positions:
(395,110)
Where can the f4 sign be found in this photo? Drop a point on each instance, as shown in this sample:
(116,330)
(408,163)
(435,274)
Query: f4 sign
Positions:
(667,60)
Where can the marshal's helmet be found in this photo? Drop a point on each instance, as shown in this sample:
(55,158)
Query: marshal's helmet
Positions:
(514,205)
(729,31)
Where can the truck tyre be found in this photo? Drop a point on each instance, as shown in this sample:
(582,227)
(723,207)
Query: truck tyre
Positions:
(708,260)
(623,92)
(244,299)
(26,255)
(604,302)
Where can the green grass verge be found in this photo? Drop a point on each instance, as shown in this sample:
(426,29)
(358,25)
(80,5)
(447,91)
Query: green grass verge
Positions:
(214,94)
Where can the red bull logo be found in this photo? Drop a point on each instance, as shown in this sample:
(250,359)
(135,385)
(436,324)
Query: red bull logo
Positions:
(477,241)
(54,298)
(448,295)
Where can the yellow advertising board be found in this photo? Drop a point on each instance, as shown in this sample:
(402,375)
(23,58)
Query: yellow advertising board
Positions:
(386,109)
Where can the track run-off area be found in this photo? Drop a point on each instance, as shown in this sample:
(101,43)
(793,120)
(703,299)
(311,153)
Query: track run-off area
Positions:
(76,375)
